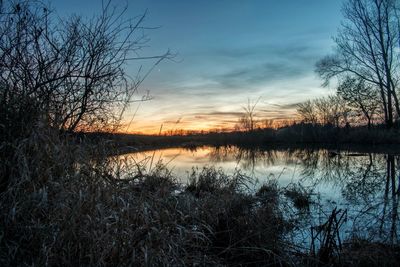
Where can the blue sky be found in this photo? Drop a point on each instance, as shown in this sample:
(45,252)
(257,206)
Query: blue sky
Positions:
(227,52)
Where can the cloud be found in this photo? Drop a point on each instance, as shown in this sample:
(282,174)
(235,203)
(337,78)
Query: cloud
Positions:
(219,113)
(213,72)
(268,72)
(286,106)
(287,50)
(263,65)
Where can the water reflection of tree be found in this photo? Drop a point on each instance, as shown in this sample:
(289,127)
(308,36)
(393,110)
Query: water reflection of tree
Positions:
(246,159)
(368,183)
(391,194)
(323,166)
(363,181)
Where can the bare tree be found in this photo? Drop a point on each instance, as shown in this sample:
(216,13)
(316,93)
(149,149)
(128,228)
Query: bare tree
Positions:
(323,107)
(269,123)
(70,73)
(367,48)
(361,96)
(325,110)
(341,110)
(331,110)
(307,112)
(248,120)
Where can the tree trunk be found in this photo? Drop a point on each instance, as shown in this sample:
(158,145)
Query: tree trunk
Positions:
(383,97)
(396,100)
(389,122)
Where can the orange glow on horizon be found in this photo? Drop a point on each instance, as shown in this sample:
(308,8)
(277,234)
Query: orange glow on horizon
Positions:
(154,119)
(200,128)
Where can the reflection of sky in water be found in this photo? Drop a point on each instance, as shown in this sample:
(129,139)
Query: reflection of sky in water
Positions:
(356,182)
(282,168)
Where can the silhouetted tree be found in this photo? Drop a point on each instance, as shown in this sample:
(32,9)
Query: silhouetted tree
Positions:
(325,110)
(361,96)
(68,73)
(269,123)
(248,121)
(367,48)
(307,112)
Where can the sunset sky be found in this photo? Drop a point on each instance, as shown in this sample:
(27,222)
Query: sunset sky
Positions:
(228,51)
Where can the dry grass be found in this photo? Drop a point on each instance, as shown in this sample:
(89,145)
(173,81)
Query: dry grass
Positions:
(359,252)
(66,204)
(300,196)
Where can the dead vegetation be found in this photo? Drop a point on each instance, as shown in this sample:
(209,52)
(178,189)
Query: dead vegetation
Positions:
(66,204)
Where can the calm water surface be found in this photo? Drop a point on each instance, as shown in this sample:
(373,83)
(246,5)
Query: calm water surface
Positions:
(366,185)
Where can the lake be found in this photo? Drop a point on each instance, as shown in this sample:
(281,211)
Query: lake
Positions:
(364,186)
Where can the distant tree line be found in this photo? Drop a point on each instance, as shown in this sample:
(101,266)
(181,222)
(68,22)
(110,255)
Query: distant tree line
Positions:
(331,110)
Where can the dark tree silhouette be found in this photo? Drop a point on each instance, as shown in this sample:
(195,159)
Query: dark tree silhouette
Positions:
(330,110)
(248,120)
(360,96)
(307,112)
(68,73)
(367,48)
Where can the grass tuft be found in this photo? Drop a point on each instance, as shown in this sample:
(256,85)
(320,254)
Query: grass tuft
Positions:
(300,197)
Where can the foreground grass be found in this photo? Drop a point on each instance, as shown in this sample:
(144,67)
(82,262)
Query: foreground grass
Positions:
(68,204)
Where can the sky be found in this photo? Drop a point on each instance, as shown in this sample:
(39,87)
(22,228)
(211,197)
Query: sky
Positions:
(228,52)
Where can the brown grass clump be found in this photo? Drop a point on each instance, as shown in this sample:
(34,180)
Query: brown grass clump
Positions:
(359,252)
(300,197)
(245,229)
(269,191)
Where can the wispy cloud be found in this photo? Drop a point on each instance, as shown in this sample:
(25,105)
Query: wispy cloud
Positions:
(264,64)
(285,50)
(250,76)
(218,113)
(285,106)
